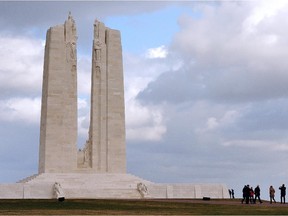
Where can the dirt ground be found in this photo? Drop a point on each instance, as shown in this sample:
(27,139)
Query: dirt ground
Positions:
(223,202)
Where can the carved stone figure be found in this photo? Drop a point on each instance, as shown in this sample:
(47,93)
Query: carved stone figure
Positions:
(73,28)
(97,71)
(97,50)
(71,52)
(96,29)
(87,153)
(58,190)
(142,189)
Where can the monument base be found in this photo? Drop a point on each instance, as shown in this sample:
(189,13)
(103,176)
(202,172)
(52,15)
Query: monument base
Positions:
(106,186)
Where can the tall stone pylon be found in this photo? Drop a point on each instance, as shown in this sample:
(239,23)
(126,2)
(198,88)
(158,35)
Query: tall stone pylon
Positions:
(58,129)
(105,150)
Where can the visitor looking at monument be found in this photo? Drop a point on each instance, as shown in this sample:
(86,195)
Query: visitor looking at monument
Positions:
(257,194)
(248,194)
(282,193)
(231,193)
(251,194)
(272,194)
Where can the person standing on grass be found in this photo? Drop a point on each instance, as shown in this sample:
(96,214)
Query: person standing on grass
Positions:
(282,192)
(245,191)
(251,194)
(272,194)
(257,194)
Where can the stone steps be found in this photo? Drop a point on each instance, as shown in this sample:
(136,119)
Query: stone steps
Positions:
(81,185)
(107,186)
(97,179)
(27,179)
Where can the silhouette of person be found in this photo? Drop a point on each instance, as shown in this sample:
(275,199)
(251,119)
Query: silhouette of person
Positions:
(282,193)
(257,194)
(251,194)
(232,192)
(272,194)
(246,194)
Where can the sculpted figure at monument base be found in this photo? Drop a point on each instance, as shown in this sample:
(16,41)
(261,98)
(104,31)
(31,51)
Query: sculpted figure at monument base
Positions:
(59,192)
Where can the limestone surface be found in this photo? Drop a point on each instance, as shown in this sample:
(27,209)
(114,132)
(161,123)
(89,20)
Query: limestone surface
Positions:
(106,186)
(105,149)
(58,129)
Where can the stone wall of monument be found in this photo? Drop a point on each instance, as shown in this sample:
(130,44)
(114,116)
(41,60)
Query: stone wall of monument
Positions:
(106,148)
(107,186)
(115,99)
(58,130)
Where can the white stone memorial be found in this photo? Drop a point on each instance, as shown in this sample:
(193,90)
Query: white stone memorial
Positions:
(99,169)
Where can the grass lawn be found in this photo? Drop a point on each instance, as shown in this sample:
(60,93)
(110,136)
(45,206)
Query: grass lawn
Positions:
(137,207)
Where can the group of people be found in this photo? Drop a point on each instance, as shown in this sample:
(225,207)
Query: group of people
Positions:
(251,196)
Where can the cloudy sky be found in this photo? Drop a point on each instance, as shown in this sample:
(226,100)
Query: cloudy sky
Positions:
(206,87)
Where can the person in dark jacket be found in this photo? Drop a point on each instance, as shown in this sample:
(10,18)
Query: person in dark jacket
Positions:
(257,194)
(282,193)
(233,197)
(246,194)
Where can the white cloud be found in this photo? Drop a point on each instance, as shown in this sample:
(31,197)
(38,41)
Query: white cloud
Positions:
(84,75)
(271,39)
(26,110)
(230,117)
(83,120)
(212,123)
(137,66)
(264,9)
(223,122)
(138,72)
(153,133)
(83,127)
(273,145)
(158,52)
(144,123)
(234,68)
(82,103)
(21,61)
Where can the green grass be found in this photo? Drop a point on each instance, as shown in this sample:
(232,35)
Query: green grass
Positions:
(135,207)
